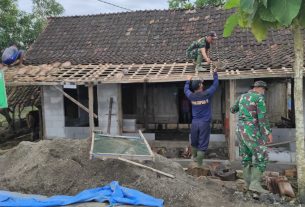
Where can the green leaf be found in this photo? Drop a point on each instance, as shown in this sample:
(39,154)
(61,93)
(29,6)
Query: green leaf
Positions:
(231,23)
(243,20)
(231,4)
(285,11)
(253,13)
(259,29)
(266,15)
(302,15)
(247,6)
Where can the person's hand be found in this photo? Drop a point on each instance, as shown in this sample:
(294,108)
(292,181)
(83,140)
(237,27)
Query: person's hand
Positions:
(270,139)
(215,70)
(189,77)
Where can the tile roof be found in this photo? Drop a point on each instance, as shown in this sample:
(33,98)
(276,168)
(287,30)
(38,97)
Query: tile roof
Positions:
(155,37)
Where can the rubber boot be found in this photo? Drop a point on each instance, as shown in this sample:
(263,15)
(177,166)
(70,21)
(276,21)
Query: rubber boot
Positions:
(194,154)
(255,185)
(247,175)
(200,157)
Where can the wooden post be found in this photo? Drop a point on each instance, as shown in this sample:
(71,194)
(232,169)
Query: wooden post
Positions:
(145,101)
(91,118)
(109,115)
(120,110)
(42,122)
(232,121)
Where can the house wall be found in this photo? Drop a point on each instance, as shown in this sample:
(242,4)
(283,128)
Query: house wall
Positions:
(276,97)
(53,117)
(104,92)
(53,112)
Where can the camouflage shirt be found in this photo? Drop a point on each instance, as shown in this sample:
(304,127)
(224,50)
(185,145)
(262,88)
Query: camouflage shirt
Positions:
(192,50)
(252,111)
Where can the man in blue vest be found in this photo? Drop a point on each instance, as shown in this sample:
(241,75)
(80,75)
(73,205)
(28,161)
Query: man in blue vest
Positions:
(202,115)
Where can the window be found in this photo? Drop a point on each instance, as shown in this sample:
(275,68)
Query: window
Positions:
(74,115)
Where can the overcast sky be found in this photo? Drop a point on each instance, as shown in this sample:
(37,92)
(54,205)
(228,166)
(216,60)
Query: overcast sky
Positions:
(84,7)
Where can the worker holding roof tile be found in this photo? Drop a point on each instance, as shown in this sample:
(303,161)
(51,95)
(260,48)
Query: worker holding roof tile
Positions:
(198,50)
(201,115)
(253,132)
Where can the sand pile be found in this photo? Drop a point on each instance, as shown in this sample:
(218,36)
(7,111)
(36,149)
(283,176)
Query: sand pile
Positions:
(62,167)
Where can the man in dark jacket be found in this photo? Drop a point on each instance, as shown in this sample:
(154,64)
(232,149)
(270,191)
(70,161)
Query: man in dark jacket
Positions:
(202,115)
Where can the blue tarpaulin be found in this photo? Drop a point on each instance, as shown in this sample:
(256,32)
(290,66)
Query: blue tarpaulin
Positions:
(112,193)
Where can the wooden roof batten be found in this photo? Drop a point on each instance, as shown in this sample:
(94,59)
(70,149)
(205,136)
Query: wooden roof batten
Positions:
(128,73)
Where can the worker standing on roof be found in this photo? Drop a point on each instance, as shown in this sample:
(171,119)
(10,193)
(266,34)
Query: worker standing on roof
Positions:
(253,132)
(202,115)
(12,54)
(199,50)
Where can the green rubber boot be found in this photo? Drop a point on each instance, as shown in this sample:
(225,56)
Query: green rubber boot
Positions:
(200,157)
(255,185)
(194,154)
(247,175)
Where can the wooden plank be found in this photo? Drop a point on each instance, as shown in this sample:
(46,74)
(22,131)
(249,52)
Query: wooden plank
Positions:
(120,110)
(116,156)
(109,115)
(279,143)
(232,121)
(43,114)
(91,101)
(145,105)
(75,101)
(91,145)
(146,143)
(146,167)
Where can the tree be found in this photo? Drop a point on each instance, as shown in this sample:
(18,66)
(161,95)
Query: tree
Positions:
(187,4)
(23,28)
(260,15)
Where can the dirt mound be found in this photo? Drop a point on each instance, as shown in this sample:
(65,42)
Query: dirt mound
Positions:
(62,167)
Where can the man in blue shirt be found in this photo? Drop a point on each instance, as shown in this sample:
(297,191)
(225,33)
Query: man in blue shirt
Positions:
(202,115)
(11,55)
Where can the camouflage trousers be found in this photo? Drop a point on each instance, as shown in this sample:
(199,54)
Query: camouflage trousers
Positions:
(196,55)
(251,143)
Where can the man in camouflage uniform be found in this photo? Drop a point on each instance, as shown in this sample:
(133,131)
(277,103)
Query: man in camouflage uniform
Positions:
(253,132)
(199,50)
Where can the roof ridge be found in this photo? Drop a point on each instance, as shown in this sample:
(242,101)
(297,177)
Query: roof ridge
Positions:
(135,11)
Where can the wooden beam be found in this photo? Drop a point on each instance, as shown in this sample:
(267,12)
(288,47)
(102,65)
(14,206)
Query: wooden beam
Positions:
(145,105)
(146,167)
(146,143)
(109,115)
(43,118)
(75,101)
(232,121)
(91,101)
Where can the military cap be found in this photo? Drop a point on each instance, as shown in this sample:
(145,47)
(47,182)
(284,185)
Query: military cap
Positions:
(262,84)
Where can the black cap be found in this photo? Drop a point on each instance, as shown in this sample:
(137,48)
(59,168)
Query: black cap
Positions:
(196,84)
(213,35)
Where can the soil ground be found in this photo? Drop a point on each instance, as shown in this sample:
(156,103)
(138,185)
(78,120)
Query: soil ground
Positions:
(52,167)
